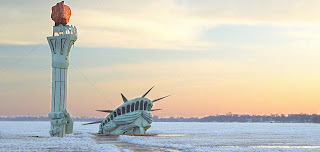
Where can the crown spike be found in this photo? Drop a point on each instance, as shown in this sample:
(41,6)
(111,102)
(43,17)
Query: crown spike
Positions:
(160,98)
(147,92)
(124,98)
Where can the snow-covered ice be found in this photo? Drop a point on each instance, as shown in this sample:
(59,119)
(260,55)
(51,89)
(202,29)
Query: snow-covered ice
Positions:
(232,136)
(182,136)
(34,136)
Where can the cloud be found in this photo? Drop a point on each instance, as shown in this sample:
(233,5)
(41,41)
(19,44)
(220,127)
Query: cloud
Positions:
(166,24)
(178,73)
(262,11)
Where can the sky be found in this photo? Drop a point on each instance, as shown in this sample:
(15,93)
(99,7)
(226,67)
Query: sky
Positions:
(211,56)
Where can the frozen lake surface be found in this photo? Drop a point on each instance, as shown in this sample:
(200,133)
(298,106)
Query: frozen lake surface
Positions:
(173,136)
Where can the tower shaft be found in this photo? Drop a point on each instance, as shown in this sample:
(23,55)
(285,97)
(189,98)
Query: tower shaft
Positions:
(60,44)
(59,89)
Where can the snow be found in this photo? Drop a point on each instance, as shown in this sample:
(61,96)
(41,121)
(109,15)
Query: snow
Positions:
(20,136)
(232,136)
(185,136)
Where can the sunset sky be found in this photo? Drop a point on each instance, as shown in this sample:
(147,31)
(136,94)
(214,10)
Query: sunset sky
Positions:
(212,57)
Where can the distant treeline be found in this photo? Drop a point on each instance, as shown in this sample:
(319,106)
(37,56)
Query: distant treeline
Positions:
(42,118)
(280,118)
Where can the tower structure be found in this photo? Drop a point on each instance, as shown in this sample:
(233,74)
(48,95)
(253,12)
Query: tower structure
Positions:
(64,36)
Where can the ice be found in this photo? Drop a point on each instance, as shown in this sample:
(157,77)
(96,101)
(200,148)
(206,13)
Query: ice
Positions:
(232,136)
(34,136)
(184,136)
